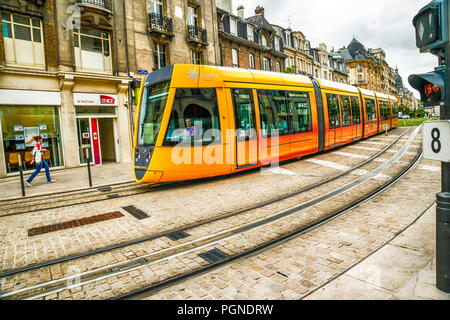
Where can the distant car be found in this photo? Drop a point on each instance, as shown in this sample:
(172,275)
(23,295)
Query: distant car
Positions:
(406,117)
(435,115)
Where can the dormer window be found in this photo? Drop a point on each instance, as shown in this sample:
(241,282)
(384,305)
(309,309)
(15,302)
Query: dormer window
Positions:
(277,44)
(250,33)
(264,41)
(233,27)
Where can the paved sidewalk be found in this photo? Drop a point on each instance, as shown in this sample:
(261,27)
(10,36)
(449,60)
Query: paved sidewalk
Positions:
(405,268)
(67,179)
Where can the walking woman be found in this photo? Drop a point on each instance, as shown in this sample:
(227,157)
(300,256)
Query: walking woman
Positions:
(40,161)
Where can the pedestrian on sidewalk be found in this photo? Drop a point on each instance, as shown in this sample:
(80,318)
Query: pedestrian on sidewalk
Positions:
(40,161)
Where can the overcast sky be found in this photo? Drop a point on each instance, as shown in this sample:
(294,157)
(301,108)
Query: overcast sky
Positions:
(381,23)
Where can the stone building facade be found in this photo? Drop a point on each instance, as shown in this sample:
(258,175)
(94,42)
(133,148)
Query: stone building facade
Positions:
(368,68)
(298,49)
(64,75)
(251,43)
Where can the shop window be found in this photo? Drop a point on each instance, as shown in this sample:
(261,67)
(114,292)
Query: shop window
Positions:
(194,118)
(95,110)
(19,124)
(23,40)
(92,50)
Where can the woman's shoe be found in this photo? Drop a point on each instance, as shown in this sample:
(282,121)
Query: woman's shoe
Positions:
(51,181)
(29,184)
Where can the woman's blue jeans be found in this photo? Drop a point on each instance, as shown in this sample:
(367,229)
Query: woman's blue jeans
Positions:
(38,169)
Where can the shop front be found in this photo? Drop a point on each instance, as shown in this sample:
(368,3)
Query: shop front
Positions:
(25,114)
(96,116)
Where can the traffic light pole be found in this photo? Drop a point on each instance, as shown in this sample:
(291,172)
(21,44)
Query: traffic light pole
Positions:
(443,200)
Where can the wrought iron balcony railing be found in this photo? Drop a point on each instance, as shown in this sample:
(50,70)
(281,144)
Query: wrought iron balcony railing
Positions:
(197,34)
(107,4)
(160,23)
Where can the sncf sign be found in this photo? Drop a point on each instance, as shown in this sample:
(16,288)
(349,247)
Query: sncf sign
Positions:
(107,100)
(92,99)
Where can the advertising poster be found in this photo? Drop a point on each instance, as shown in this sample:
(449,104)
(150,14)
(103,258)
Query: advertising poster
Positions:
(30,133)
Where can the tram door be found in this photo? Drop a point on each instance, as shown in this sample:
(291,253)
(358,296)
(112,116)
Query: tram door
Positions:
(246,132)
(334,119)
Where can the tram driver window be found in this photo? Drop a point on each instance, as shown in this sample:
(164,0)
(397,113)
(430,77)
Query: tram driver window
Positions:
(334,116)
(194,118)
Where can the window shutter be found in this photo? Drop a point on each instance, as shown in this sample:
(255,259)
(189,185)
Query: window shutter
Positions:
(226,23)
(242,29)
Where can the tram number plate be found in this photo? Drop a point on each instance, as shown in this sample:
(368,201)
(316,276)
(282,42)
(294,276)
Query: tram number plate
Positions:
(436,140)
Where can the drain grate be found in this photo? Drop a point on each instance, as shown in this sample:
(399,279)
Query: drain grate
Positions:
(112,196)
(135,212)
(178,235)
(104,189)
(282,274)
(214,256)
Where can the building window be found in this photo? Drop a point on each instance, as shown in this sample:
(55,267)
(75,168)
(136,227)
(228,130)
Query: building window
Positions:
(264,41)
(192,16)
(251,61)
(20,124)
(196,57)
(233,27)
(266,65)
(159,56)
(92,50)
(288,39)
(156,6)
(277,44)
(359,68)
(234,55)
(22,38)
(250,33)
(278,67)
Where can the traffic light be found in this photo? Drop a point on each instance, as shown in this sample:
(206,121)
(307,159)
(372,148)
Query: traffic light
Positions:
(431,86)
(432,26)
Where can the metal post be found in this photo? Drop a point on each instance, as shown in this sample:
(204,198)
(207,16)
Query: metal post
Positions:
(22,185)
(443,200)
(88,162)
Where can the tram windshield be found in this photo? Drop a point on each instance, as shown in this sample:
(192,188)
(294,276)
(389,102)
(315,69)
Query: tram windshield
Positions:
(153,102)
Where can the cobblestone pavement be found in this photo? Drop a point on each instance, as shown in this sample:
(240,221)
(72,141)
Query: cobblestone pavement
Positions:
(168,209)
(189,261)
(302,265)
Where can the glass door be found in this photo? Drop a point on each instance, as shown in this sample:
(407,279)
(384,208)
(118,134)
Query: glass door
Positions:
(84,138)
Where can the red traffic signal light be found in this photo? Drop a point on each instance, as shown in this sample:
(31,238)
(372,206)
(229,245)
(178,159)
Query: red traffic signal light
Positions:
(431,86)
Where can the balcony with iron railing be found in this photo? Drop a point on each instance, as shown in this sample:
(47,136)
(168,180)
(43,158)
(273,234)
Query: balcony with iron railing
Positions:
(197,35)
(104,4)
(160,24)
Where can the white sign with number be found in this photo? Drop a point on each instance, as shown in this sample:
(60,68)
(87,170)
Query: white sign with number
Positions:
(436,140)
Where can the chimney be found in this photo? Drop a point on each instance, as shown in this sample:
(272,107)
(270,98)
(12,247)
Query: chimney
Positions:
(259,10)
(240,11)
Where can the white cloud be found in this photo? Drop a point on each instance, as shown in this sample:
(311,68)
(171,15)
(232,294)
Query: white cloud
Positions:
(382,23)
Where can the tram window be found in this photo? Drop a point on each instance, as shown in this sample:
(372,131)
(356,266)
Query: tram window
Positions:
(152,109)
(346,112)
(300,111)
(273,111)
(194,118)
(334,116)
(394,110)
(244,113)
(371,110)
(356,111)
(384,110)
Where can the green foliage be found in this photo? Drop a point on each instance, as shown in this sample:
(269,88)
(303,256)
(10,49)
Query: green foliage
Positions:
(413,122)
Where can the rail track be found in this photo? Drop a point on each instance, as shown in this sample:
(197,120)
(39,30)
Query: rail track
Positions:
(209,240)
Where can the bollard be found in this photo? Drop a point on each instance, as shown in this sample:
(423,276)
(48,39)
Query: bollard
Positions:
(443,241)
(88,162)
(21,175)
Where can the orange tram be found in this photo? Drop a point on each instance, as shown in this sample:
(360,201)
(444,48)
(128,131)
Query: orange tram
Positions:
(201,121)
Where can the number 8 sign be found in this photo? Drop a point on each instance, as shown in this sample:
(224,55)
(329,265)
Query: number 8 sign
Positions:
(436,140)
